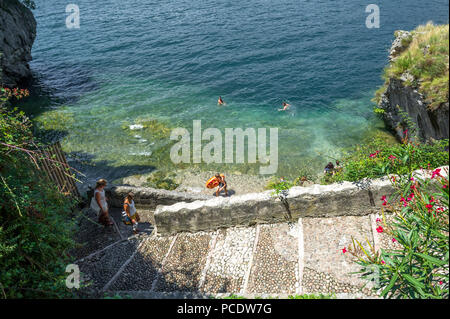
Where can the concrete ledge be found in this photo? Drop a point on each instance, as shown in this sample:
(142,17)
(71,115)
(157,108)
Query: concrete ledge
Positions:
(342,199)
(150,198)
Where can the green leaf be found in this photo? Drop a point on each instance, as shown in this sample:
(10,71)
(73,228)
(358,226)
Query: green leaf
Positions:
(413,281)
(431,259)
(389,287)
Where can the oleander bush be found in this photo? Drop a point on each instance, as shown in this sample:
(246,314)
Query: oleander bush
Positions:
(418,264)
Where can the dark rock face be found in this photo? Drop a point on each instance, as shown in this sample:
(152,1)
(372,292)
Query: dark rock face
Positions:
(430,123)
(17,34)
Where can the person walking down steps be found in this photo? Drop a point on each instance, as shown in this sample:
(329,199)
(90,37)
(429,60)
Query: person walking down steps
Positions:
(99,204)
(129,214)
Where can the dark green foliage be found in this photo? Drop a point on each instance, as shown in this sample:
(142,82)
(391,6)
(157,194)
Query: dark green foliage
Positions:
(377,158)
(35,224)
(418,265)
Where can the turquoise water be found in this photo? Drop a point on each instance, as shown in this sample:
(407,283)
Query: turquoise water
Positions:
(170,60)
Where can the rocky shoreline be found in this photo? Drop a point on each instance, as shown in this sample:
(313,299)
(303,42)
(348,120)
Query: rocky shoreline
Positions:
(194,182)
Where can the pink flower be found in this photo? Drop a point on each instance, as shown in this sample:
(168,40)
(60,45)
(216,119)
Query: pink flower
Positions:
(383,262)
(436,172)
(344,250)
(440,282)
(380,229)
(430,207)
(392,157)
(394,240)
(445,186)
(374,154)
(412,179)
(378,220)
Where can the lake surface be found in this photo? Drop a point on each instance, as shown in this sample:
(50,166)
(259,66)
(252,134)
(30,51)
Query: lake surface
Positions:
(164,64)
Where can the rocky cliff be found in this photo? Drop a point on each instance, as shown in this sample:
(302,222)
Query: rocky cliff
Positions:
(17,34)
(430,123)
(406,92)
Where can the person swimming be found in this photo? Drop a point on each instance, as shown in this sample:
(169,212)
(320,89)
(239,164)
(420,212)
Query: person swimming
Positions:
(285,106)
(220,101)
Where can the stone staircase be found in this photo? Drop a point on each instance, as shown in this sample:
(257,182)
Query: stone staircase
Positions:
(275,260)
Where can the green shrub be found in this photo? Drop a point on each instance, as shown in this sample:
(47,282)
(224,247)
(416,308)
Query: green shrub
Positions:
(418,267)
(35,225)
(377,158)
(279,185)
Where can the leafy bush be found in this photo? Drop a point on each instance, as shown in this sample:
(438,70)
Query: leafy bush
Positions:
(35,228)
(418,266)
(377,158)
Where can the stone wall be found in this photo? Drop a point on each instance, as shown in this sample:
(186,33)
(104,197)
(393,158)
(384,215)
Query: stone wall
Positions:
(148,198)
(343,199)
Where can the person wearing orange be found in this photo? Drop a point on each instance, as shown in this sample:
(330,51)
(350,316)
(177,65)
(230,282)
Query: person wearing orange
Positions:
(220,178)
(129,213)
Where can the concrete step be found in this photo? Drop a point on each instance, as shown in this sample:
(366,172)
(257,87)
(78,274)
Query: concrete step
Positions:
(264,260)
(229,260)
(275,260)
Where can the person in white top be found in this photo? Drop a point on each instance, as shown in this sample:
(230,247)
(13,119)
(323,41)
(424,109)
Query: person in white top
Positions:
(99,204)
(129,212)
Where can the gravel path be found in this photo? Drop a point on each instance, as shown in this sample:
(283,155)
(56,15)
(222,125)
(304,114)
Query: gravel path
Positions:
(100,268)
(264,260)
(275,265)
(140,273)
(92,236)
(183,267)
(230,260)
(324,239)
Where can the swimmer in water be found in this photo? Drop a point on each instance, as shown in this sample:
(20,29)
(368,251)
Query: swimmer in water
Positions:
(285,106)
(220,101)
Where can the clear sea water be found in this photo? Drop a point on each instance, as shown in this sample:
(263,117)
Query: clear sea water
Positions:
(170,60)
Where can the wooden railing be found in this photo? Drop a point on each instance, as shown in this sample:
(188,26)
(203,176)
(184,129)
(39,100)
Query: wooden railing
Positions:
(54,164)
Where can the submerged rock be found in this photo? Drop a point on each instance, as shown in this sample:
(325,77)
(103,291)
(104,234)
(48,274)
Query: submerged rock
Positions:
(17,34)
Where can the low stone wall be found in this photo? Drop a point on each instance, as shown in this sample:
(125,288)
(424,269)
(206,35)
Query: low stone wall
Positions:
(150,198)
(341,199)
